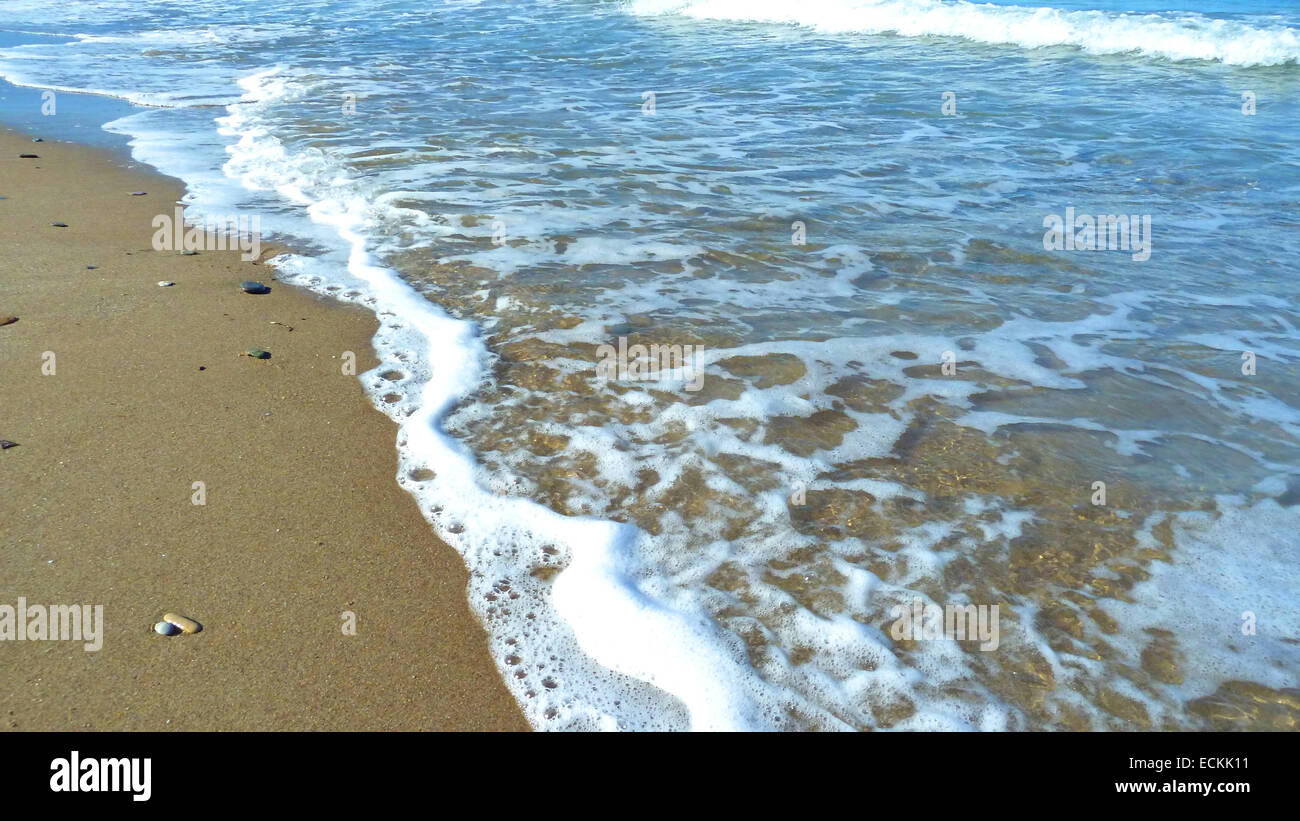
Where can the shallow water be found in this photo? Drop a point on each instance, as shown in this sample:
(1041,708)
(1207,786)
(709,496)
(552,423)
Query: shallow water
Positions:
(895,388)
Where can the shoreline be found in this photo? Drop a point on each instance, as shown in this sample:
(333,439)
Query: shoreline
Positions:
(302,521)
(918,407)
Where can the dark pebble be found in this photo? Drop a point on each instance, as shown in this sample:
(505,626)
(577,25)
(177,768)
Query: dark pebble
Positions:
(203,367)
(251,287)
(91,267)
(138,193)
(59,224)
(29,156)
(5,444)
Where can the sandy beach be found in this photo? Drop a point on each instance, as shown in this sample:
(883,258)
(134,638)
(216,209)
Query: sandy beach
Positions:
(120,395)
(652,366)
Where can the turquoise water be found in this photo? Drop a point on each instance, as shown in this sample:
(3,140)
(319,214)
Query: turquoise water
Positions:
(834,199)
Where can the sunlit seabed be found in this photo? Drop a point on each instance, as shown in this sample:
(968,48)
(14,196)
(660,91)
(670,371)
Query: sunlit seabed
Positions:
(828,468)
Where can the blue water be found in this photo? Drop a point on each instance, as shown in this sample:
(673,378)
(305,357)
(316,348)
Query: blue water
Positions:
(550,176)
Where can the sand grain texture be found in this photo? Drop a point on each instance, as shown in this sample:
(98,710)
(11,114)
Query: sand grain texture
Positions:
(303,519)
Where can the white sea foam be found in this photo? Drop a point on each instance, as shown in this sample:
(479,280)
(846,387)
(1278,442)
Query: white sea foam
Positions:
(596,604)
(1181,36)
(629,608)
(99,67)
(1228,593)
(624,604)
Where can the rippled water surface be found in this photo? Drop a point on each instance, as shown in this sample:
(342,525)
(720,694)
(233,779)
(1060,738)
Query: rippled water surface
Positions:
(902,390)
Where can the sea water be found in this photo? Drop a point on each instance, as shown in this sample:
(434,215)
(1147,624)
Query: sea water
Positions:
(883,375)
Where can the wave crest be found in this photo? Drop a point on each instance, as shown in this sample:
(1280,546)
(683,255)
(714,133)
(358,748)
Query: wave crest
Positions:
(1184,36)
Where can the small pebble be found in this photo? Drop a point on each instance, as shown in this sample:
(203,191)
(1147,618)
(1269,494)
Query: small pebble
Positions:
(250,286)
(138,193)
(37,140)
(166,283)
(162,628)
(59,224)
(92,267)
(203,367)
(190,253)
(8,320)
(5,444)
(258,353)
(29,156)
(186,625)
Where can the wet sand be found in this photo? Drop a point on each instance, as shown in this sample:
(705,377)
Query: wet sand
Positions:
(302,519)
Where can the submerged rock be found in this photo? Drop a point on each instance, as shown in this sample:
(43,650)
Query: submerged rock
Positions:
(250,286)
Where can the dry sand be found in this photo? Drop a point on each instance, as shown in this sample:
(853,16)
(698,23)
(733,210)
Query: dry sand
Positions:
(302,520)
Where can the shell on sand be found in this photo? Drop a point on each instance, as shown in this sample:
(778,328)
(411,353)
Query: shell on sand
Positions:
(186,625)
